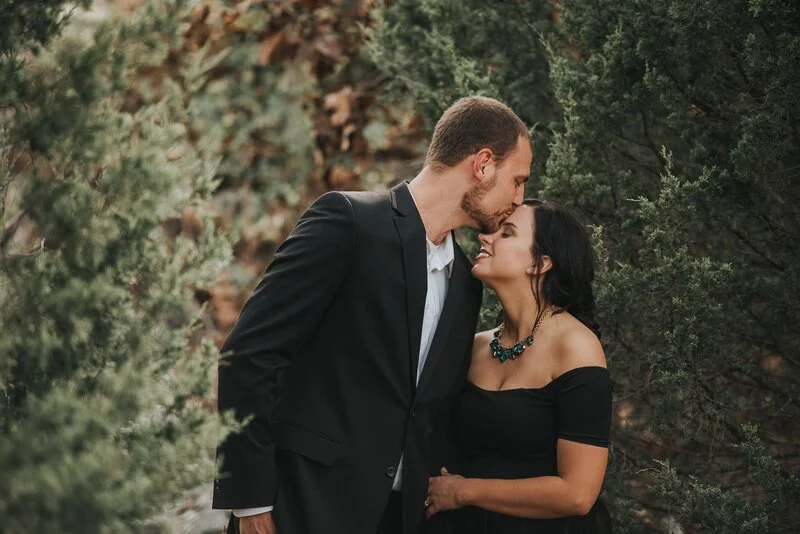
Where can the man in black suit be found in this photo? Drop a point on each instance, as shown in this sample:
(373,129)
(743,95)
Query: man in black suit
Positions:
(349,354)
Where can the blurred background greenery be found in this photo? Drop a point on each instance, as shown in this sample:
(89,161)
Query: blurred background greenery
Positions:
(154,154)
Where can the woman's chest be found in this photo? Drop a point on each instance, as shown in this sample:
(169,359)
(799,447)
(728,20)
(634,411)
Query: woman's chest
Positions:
(516,422)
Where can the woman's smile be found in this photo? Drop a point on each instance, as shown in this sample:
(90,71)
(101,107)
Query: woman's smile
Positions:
(482,254)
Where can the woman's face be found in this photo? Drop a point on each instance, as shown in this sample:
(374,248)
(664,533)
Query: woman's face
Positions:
(505,255)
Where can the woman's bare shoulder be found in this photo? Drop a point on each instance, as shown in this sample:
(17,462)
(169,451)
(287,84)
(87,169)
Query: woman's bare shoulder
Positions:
(578,346)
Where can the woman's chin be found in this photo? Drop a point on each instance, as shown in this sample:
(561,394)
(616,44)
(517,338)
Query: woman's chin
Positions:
(479,271)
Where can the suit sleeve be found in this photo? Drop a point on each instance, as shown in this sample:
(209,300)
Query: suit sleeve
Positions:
(284,309)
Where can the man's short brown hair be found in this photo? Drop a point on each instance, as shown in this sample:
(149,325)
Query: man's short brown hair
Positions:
(473,123)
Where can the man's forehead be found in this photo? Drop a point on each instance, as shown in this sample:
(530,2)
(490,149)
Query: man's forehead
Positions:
(524,154)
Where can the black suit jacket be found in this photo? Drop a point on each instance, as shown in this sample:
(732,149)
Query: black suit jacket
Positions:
(323,357)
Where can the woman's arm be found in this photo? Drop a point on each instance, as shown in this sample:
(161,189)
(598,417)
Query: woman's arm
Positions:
(581,469)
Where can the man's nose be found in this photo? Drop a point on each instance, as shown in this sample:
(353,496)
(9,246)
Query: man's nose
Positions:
(519,197)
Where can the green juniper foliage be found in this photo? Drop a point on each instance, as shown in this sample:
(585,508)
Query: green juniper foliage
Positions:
(441,50)
(679,139)
(258,104)
(104,374)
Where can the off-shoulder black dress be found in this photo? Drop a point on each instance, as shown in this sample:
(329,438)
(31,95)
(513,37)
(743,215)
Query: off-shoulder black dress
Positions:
(512,434)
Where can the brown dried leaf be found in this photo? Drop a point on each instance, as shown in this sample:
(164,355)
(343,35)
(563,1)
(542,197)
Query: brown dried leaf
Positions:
(319,157)
(696,111)
(348,130)
(191,223)
(339,104)
(364,7)
(129,5)
(330,46)
(270,47)
(225,305)
(340,175)
(772,364)
(229,19)
(199,14)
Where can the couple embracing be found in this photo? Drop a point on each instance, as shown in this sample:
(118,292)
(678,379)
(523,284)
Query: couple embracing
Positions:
(374,407)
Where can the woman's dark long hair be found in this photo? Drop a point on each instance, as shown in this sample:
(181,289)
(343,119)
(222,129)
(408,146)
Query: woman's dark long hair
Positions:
(568,284)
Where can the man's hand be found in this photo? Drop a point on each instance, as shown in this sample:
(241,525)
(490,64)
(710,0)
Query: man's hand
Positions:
(258,524)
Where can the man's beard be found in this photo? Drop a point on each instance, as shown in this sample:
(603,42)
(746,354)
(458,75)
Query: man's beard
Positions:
(487,223)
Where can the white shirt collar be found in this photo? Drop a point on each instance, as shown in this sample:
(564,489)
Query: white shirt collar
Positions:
(442,255)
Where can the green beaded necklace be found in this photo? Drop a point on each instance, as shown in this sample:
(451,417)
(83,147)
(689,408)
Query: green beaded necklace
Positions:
(503,353)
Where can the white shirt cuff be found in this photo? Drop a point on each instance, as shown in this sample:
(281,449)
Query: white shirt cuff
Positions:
(245,512)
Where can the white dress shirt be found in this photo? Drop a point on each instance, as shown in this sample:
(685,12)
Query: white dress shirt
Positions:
(440,267)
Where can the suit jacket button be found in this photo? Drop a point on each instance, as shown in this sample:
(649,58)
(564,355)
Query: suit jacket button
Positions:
(391,471)
(413,413)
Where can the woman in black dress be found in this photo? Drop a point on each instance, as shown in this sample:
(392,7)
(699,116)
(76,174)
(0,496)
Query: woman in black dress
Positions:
(533,420)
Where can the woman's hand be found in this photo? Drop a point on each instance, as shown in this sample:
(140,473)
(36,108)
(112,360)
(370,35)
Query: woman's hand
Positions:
(444,493)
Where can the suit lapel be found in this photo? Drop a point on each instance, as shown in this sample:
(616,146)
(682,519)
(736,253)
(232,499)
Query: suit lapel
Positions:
(455,291)
(412,241)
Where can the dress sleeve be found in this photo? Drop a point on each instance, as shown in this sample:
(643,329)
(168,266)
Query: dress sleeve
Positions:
(583,411)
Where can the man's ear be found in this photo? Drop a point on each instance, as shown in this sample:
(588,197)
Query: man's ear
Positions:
(547,264)
(483,165)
